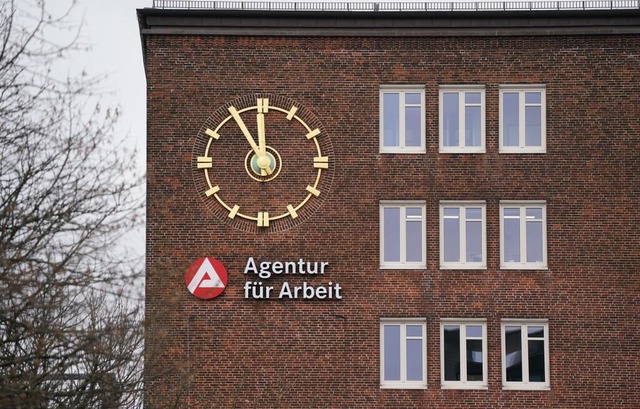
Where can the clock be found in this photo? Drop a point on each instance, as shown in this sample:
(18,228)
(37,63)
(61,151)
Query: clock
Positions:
(263,163)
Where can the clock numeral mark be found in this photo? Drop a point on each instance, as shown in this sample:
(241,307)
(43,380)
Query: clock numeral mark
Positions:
(212,191)
(263,219)
(321,162)
(263,105)
(292,211)
(313,133)
(234,211)
(212,133)
(313,191)
(205,162)
(292,112)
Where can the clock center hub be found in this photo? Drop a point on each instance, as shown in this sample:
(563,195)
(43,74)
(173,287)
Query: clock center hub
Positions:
(263,168)
(264,162)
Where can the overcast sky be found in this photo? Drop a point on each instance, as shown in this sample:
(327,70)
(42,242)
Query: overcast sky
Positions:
(110,29)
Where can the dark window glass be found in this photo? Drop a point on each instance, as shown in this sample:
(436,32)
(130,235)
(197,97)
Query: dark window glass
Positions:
(513,358)
(536,361)
(451,352)
(474,360)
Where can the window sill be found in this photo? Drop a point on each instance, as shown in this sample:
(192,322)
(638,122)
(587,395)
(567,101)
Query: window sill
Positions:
(403,266)
(528,387)
(482,267)
(404,150)
(541,267)
(403,386)
(462,151)
(462,386)
(522,150)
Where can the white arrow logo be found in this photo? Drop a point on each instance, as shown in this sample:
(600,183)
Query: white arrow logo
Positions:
(199,280)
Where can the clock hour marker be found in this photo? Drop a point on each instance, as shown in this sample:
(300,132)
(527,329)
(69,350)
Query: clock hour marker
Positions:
(313,191)
(292,112)
(212,191)
(263,105)
(234,211)
(263,219)
(292,211)
(313,133)
(205,162)
(321,162)
(212,133)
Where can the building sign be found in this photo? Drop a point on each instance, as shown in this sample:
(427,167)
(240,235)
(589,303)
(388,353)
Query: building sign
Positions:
(206,278)
(255,288)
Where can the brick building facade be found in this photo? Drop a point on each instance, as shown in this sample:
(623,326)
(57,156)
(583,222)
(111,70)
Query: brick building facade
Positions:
(475,222)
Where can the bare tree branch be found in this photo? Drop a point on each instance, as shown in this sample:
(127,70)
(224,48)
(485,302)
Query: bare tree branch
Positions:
(68,192)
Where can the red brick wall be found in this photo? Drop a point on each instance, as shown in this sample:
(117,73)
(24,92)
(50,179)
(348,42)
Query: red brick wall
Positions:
(235,353)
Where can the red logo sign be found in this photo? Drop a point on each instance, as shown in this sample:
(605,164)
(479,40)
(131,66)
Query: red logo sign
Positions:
(206,278)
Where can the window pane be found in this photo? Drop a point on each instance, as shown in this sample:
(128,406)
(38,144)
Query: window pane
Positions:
(474,360)
(391,234)
(472,97)
(510,119)
(414,241)
(534,241)
(451,226)
(474,241)
(535,331)
(473,213)
(533,126)
(452,353)
(414,360)
(472,126)
(414,213)
(412,132)
(412,98)
(533,97)
(391,119)
(414,330)
(392,352)
(474,331)
(513,358)
(511,237)
(536,361)
(450,119)
(534,213)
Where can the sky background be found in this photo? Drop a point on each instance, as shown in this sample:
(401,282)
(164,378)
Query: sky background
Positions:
(110,48)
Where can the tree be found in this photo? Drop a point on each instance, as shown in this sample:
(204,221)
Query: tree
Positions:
(69,335)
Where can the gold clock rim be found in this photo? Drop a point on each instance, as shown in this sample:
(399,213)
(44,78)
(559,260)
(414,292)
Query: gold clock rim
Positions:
(270,218)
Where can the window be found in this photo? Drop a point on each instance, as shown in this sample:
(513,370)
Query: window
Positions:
(462,235)
(523,235)
(462,123)
(522,119)
(402,119)
(403,359)
(463,354)
(525,354)
(402,234)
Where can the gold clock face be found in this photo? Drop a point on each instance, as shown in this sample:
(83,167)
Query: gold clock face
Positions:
(263,163)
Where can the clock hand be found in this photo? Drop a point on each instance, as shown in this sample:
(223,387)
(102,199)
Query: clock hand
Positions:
(263,161)
(245,131)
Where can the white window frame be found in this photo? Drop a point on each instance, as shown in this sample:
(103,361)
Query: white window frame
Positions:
(402,90)
(403,383)
(403,264)
(463,383)
(461,90)
(526,384)
(523,264)
(463,264)
(521,89)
